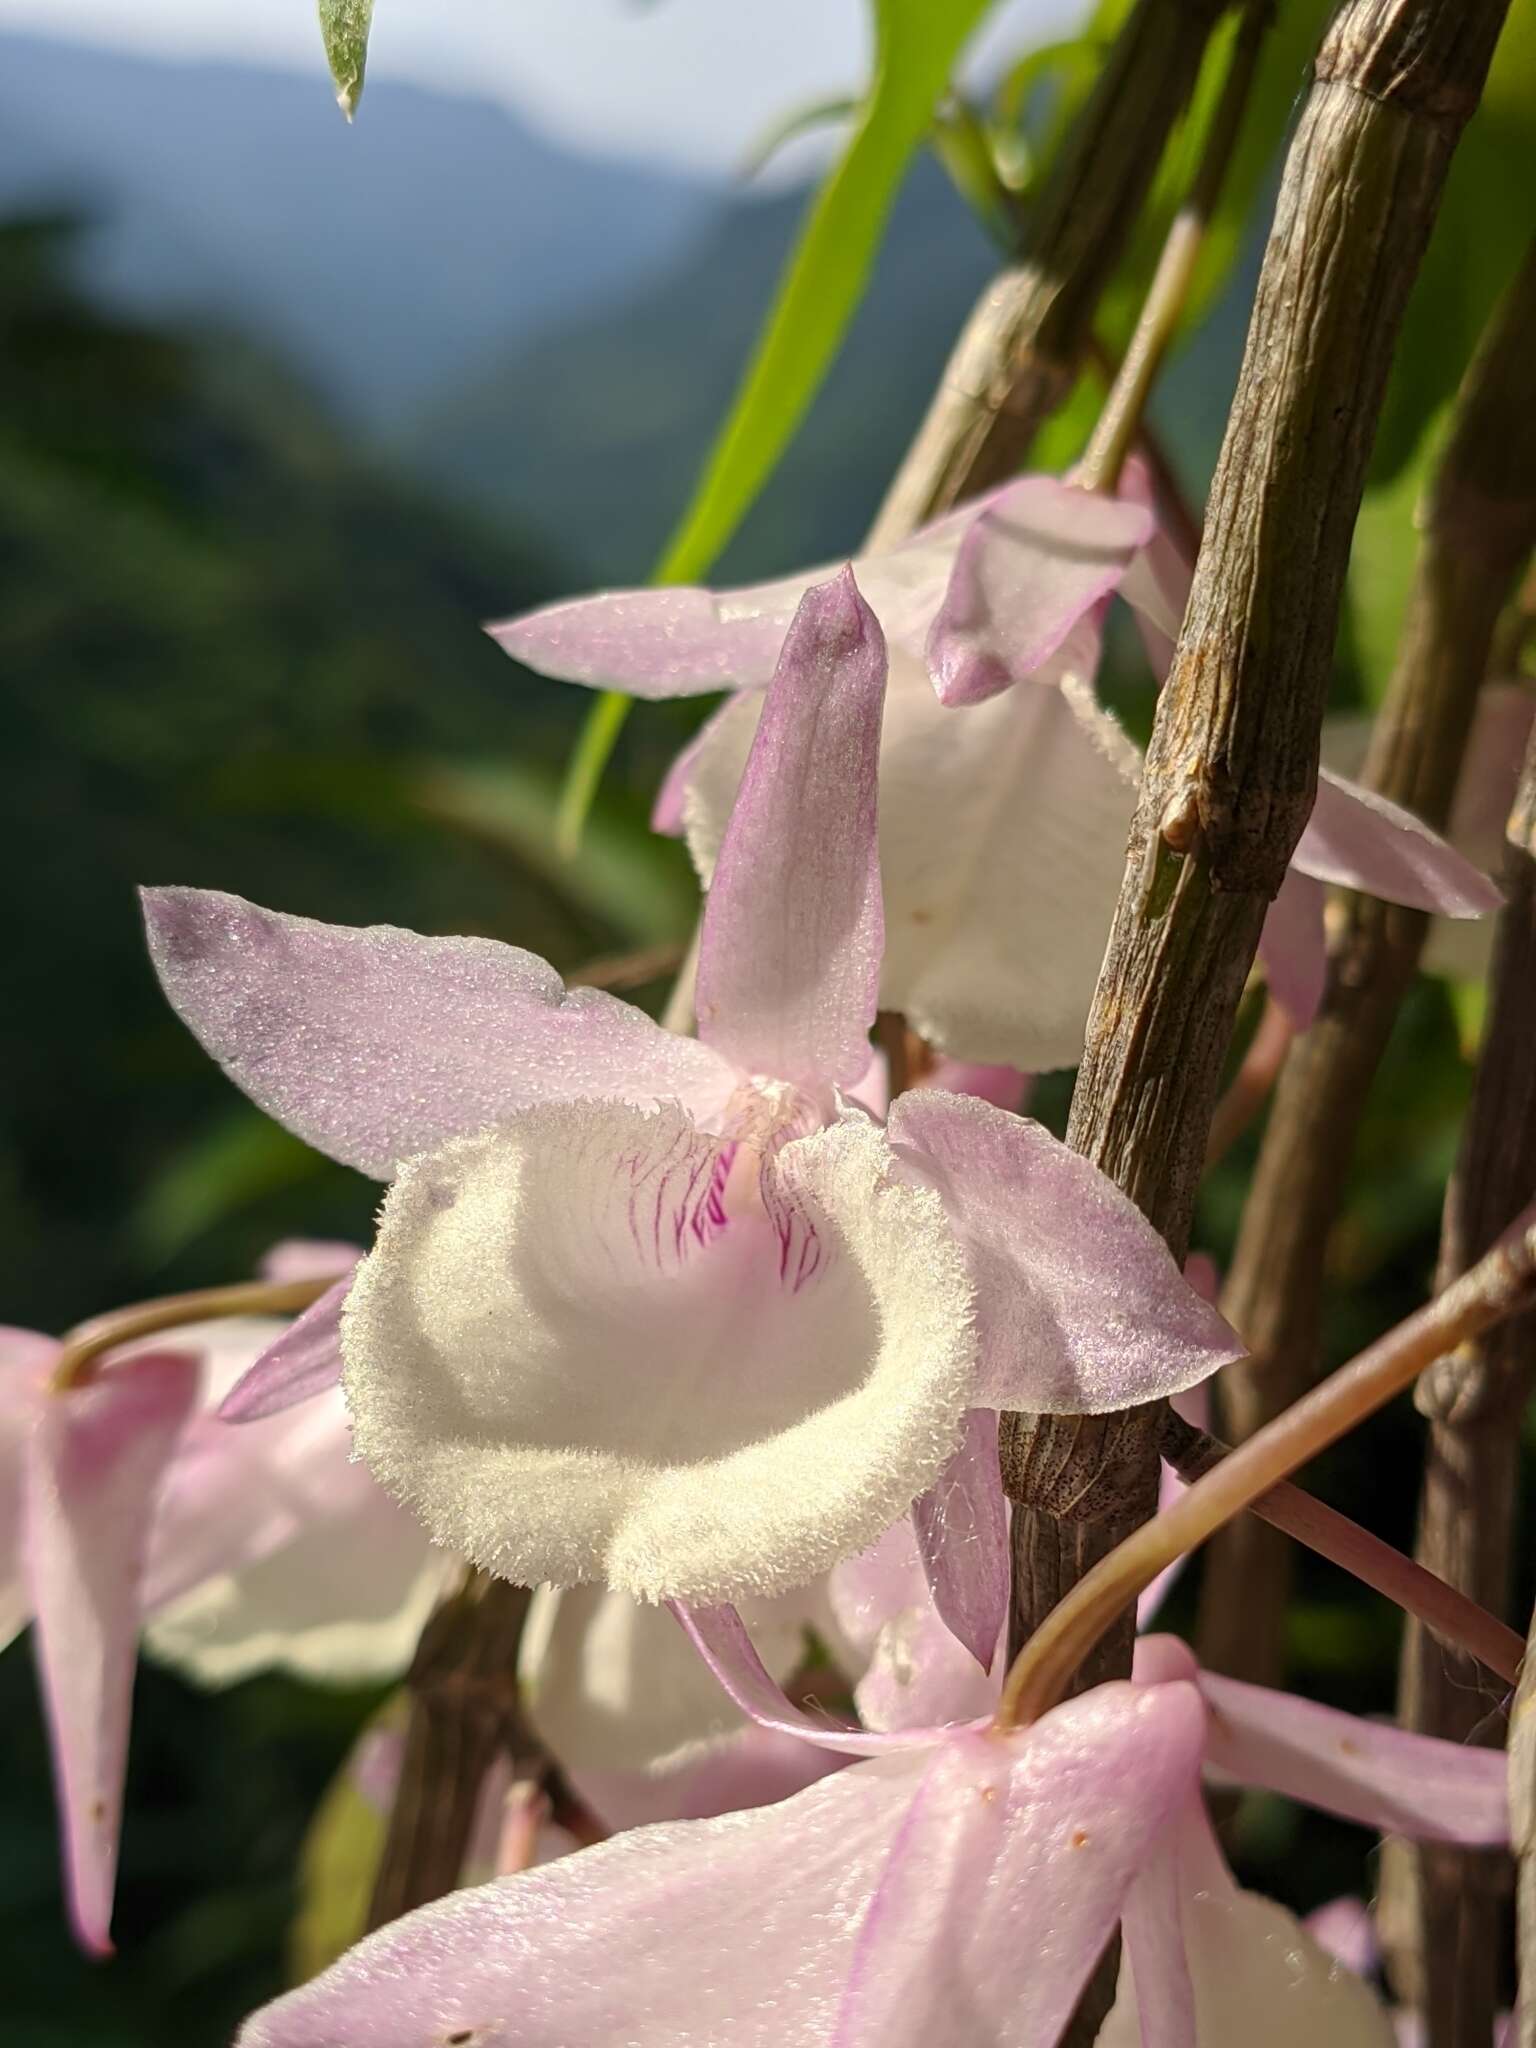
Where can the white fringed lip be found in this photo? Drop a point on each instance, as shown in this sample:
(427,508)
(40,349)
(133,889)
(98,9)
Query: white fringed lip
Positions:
(576,1367)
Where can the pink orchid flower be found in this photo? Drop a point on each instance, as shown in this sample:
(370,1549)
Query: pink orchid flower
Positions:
(957,1885)
(1003,830)
(673,1315)
(128,1509)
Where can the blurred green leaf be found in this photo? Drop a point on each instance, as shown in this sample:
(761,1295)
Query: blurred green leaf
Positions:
(344,26)
(584,771)
(915,46)
(1381,566)
(964,146)
(1478,241)
(337,1864)
(241,1158)
(634,880)
(790,127)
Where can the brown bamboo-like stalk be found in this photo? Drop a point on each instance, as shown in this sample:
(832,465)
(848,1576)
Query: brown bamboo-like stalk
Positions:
(1445,1909)
(1019,352)
(1479,526)
(464,1714)
(1231,769)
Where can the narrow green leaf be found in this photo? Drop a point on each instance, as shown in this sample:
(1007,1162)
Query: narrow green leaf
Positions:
(344,26)
(584,771)
(220,1170)
(916,45)
(640,884)
(790,127)
(1478,240)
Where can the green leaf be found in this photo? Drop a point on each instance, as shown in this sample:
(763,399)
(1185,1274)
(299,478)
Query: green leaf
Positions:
(642,885)
(337,1864)
(1478,241)
(916,44)
(220,1171)
(344,26)
(790,127)
(584,772)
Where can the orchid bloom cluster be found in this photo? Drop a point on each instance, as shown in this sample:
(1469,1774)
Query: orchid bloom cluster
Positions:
(708,1341)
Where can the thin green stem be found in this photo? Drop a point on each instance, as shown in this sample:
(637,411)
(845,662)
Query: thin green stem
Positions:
(1168,294)
(87,1342)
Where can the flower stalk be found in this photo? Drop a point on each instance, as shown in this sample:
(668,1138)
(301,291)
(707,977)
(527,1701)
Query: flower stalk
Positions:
(86,1344)
(1119,424)
(1420,1593)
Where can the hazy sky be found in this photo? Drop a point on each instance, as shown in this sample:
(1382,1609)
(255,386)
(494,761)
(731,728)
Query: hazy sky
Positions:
(691,81)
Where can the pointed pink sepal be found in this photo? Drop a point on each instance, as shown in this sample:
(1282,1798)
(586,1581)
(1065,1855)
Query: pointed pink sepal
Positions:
(96,1458)
(1028,569)
(962,1538)
(303,1362)
(1359,840)
(789,952)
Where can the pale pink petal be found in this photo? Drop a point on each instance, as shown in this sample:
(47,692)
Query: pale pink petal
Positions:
(1154,1957)
(962,1535)
(1170,1487)
(1490,771)
(665,642)
(919,1677)
(1258,1977)
(233,1496)
(1017,1849)
(343,1602)
(874,1906)
(1004,1086)
(669,812)
(1361,841)
(1389,1778)
(1080,1305)
(1156,584)
(580,1354)
(916,1674)
(303,1362)
(611,1683)
(1346,1928)
(377,1044)
(1028,569)
(751,1767)
(96,1455)
(721,1639)
(309,1258)
(789,957)
(26,1359)
(1293,948)
(869,1587)
(1002,846)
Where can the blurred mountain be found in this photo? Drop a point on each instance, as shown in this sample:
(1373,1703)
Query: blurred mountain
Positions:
(381,259)
(554,335)
(595,433)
